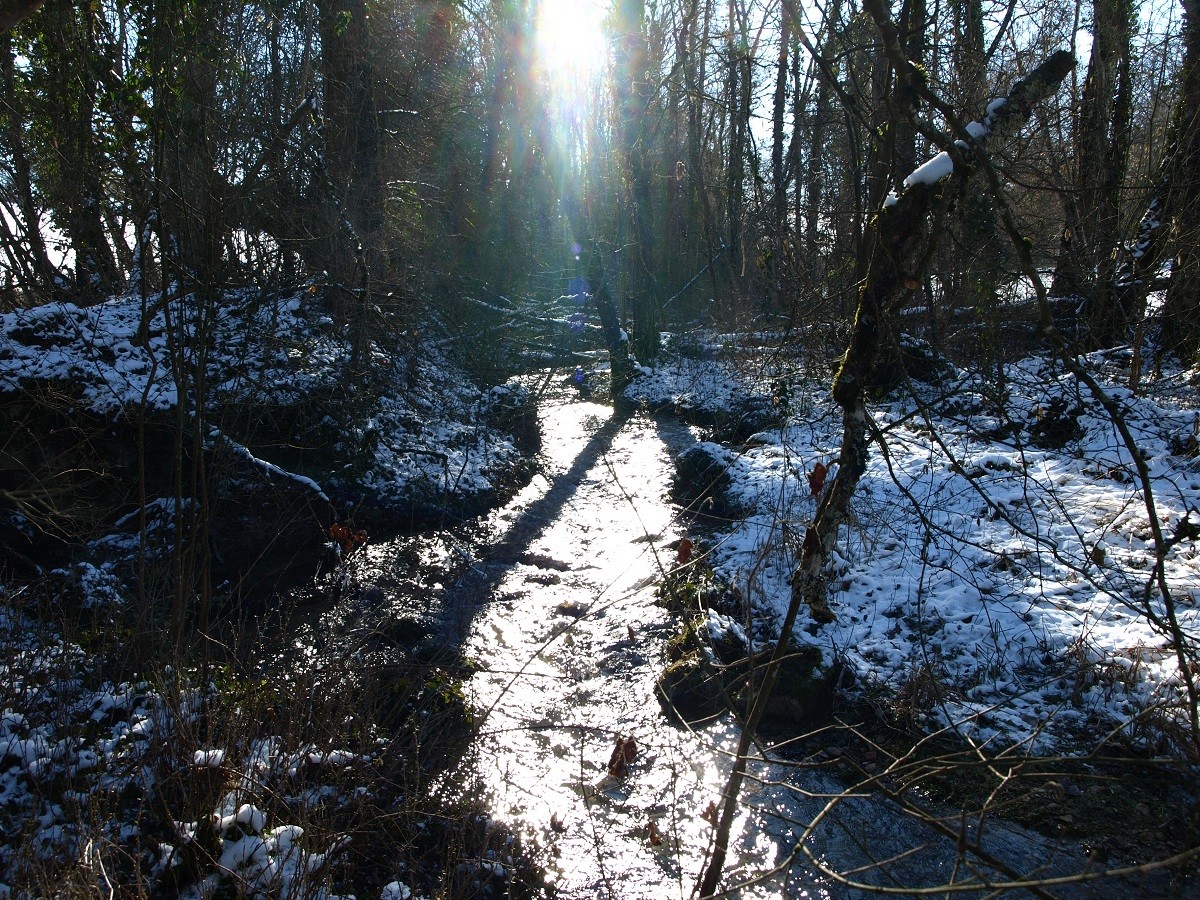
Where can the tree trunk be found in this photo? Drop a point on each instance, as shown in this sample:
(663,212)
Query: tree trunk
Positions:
(77,194)
(1177,214)
(191,201)
(737,90)
(1086,266)
(635,95)
(695,75)
(903,240)
(972,263)
(779,174)
(353,149)
(37,271)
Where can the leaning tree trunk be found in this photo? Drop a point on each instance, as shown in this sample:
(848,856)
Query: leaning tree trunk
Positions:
(904,239)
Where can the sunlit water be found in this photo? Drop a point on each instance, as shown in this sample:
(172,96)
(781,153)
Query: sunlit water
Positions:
(553,596)
(571,643)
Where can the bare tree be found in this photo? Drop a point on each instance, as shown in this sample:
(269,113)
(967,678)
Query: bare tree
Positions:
(1087,256)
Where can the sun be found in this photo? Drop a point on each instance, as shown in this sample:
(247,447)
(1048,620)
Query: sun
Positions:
(572,40)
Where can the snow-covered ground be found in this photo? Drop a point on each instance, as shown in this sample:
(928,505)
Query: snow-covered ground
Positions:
(1003,582)
(81,755)
(411,425)
(118,782)
(998,567)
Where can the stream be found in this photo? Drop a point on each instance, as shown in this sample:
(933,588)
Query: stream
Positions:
(552,597)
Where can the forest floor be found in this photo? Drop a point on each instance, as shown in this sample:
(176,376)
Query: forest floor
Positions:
(994,589)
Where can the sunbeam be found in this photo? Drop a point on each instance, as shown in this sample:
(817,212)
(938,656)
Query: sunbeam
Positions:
(572,40)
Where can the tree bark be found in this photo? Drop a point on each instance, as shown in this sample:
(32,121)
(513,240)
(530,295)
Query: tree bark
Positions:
(903,240)
(737,96)
(779,174)
(191,201)
(1086,261)
(353,143)
(13,11)
(1173,219)
(635,96)
(39,275)
(76,191)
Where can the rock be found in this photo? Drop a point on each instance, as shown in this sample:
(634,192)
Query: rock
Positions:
(268,527)
(702,479)
(803,693)
(751,416)
(407,631)
(1055,425)
(727,637)
(689,689)
(913,358)
(511,408)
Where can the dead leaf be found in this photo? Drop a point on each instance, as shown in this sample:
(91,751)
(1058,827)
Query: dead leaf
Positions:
(653,834)
(629,750)
(816,478)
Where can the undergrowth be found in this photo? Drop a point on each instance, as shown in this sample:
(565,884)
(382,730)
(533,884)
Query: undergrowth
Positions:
(207,779)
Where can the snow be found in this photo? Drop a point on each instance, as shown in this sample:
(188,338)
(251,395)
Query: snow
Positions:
(96,347)
(1012,574)
(66,731)
(210,759)
(942,165)
(976,560)
(427,438)
(271,468)
(932,171)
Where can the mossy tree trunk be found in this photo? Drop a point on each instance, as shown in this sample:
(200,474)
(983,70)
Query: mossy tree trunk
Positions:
(904,236)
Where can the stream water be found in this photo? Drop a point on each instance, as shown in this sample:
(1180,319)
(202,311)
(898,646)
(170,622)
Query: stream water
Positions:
(553,598)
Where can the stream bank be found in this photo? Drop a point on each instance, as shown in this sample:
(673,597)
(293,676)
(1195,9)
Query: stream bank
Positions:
(549,605)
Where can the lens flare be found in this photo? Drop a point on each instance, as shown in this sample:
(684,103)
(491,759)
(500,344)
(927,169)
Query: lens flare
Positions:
(572,42)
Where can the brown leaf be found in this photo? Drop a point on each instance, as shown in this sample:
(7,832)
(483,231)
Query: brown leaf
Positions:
(629,750)
(684,554)
(653,834)
(623,754)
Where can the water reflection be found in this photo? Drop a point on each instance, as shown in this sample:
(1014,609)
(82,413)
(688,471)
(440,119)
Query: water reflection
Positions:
(570,648)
